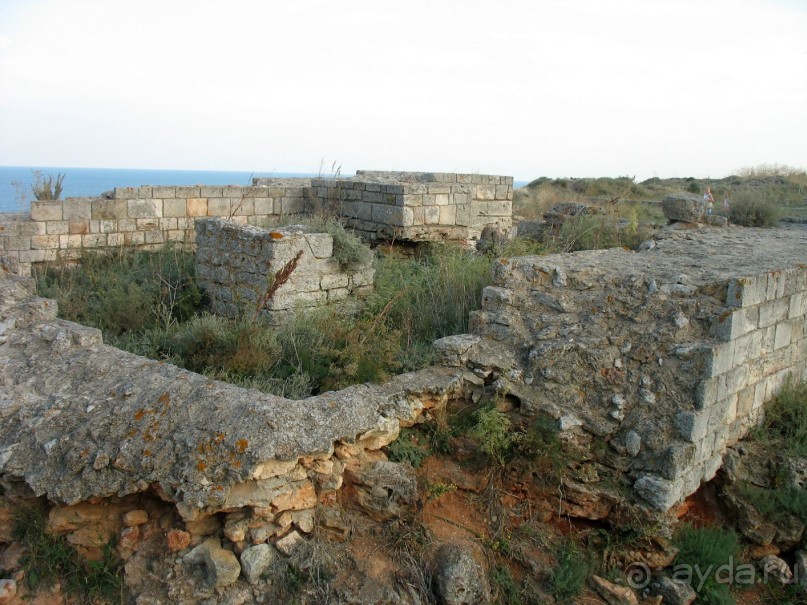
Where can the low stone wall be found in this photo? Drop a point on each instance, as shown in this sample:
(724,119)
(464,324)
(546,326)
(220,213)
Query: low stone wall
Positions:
(83,421)
(140,216)
(235,263)
(411,206)
(667,355)
(419,206)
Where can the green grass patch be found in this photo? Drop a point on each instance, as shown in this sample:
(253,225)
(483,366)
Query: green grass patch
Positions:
(785,426)
(702,551)
(568,576)
(50,559)
(752,209)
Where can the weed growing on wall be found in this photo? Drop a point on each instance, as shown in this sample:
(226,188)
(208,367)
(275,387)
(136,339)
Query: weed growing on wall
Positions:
(47,187)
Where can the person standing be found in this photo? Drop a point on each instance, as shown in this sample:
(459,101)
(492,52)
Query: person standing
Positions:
(709,200)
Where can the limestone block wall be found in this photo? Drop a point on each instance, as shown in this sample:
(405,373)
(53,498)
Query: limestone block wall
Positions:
(419,206)
(84,421)
(139,216)
(668,355)
(235,263)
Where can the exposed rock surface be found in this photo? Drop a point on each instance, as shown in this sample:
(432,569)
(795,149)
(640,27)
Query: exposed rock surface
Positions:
(686,207)
(459,579)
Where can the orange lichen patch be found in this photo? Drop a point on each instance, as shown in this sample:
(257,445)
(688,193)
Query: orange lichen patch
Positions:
(241,445)
(218,438)
(131,433)
(201,465)
(237,463)
(164,399)
(146,453)
(275,235)
(724,316)
(612,374)
(139,414)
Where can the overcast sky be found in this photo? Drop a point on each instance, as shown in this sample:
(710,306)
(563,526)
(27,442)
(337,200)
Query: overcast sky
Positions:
(522,88)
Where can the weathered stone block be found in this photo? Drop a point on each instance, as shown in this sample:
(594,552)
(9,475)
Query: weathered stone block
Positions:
(46,211)
(448,215)
(44,242)
(431,215)
(798,305)
(174,207)
(783,335)
(164,192)
(94,240)
(660,493)
(747,291)
(56,227)
(720,358)
(144,208)
(733,324)
(217,207)
(692,426)
(78,227)
(339,280)
(103,209)
(77,210)
(773,311)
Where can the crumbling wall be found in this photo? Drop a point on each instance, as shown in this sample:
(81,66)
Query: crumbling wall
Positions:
(235,265)
(667,355)
(419,206)
(139,216)
(101,432)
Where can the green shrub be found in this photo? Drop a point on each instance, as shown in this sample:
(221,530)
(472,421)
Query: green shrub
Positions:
(407,449)
(47,187)
(775,503)
(567,577)
(750,210)
(785,426)
(493,434)
(705,549)
(348,250)
(124,291)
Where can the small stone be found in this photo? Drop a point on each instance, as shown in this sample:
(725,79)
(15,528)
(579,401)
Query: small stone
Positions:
(648,397)
(568,422)
(613,594)
(222,566)
(776,569)
(681,320)
(619,401)
(177,540)
(617,415)
(458,578)
(129,537)
(673,591)
(652,287)
(135,517)
(618,362)
(8,590)
(800,568)
(289,543)
(633,443)
(255,560)
(304,520)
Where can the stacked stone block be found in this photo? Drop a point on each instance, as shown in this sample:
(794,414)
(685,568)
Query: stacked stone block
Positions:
(236,264)
(413,206)
(638,351)
(419,206)
(146,217)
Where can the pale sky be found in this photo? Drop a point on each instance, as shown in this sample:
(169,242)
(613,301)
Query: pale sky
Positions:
(524,88)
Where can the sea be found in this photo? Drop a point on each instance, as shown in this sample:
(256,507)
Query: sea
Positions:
(16,181)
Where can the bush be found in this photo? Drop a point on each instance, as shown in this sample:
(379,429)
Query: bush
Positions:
(125,291)
(785,425)
(47,187)
(750,210)
(705,549)
(348,250)
(493,434)
(569,574)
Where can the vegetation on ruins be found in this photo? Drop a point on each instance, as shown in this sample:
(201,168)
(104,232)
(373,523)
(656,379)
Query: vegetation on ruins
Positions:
(47,187)
(51,559)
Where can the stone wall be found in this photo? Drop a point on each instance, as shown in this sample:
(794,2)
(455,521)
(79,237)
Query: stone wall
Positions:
(83,421)
(667,355)
(235,262)
(412,206)
(140,216)
(419,206)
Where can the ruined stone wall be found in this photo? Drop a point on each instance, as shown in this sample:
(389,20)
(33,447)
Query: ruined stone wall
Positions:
(666,355)
(82,421)
(411,206)
(140,216)
(235,262)
(418,206)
